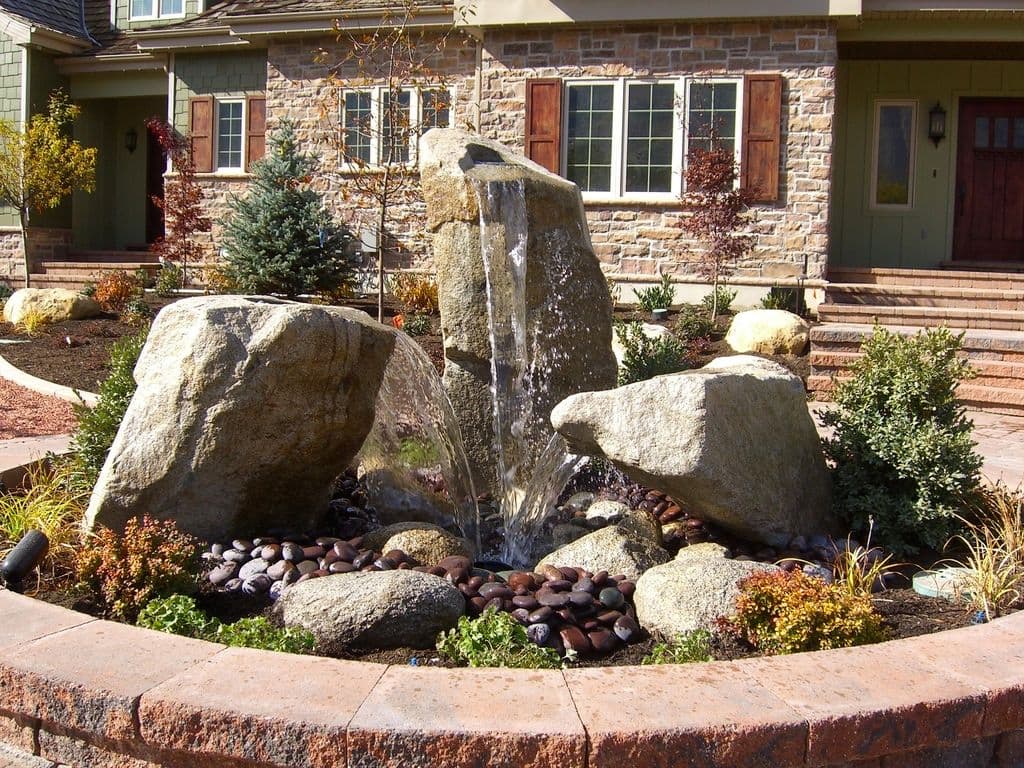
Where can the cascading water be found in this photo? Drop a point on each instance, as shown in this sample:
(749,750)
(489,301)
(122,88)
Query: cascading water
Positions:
(528,484)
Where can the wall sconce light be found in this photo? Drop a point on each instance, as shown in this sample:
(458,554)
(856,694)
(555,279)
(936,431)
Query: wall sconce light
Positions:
(131,140)
(936,124)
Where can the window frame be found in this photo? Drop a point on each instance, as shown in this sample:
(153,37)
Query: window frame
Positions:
(377,93)
(158,11)
(876,136)
(229,169)
(689,80)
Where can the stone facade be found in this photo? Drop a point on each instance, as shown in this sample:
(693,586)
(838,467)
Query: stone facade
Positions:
(645,239)
(44,243)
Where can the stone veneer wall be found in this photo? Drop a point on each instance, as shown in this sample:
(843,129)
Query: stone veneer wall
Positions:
(44,243)
(637,239)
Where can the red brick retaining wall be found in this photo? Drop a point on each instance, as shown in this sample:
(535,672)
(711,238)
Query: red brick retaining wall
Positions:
(84,692)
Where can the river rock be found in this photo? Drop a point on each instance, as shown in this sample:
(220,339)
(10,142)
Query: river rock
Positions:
(568,324)
(247,408)
(692,591)
(768,332)
(734,442)
(425,543)
(53,305)
(386,609)
(610,549)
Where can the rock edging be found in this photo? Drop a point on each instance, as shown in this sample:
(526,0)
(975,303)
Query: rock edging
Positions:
(81,691)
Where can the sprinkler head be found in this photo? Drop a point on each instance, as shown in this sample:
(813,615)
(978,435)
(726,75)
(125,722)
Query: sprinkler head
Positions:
(23,559)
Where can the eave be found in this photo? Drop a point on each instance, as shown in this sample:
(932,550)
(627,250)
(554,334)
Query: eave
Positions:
(121,62)
(153,40)
(307,22)
(25,33)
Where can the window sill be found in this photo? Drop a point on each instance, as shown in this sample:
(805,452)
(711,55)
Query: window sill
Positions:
(669,201)
(225,173)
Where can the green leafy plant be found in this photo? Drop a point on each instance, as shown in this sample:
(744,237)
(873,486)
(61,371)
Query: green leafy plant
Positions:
(145,278)
(791,612)
(494,639)
(719,300)
(902,448)
(780,297)
(51,502)
(136,312)
(416,452)
(179,615)
(416,324)
(859,570)
(5,292)
(89,289)
(658,296)
(169,279)
(151,559)
(694,324)
(280,237)
(98,426)
(686,648)
(646,357)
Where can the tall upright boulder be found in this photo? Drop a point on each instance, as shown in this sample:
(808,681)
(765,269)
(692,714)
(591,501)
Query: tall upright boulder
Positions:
(246,410)
(515,267)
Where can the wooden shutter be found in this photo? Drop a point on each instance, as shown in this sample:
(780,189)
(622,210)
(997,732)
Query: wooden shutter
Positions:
(200,129)
(544,121)
(255,130)
(762,122)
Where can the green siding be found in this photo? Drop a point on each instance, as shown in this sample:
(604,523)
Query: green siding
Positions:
(922,235)
(123,10)
(222,75)
(10,102)
(43,80)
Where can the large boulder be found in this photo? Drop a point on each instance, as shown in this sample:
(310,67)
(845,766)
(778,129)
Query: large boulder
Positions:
(629,548)
(733,441)
(246,410)
(425,543)
(387,609)
(547,305)
(52,305)
(768,332)
(692,591)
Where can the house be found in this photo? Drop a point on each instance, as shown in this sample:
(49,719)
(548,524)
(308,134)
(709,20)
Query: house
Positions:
(876,134)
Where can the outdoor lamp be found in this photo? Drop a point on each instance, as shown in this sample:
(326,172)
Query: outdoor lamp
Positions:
(131,140)
(936,124)
(23,559)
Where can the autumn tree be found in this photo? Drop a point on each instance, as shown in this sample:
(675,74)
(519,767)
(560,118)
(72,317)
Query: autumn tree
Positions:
(181,202)
(41,164)
(384,93)
(716,213)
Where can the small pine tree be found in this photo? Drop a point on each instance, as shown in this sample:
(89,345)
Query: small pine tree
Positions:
(280,237)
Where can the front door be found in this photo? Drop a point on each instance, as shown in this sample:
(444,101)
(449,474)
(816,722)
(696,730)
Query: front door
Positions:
(156,164)
(989,214)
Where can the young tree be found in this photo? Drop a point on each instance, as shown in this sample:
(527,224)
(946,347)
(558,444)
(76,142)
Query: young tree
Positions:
(40,164)
(181,203)
(279,237)
(715,210)
(376,135)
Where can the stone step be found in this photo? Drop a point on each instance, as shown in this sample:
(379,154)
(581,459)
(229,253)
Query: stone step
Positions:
(931,317)
(936,278)
(983,266)
(58,281)
(924,296)
(113,256)
(978,343)
(88,269)
(1005,400)
(994,373)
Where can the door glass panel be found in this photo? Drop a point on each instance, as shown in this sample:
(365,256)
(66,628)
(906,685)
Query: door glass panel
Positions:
(895,147)
(981,133)
(1001,140)
(1018,133)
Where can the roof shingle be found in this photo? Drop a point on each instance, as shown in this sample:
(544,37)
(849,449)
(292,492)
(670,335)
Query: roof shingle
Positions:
(63,16)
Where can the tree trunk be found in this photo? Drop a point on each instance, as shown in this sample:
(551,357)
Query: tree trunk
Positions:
(23,218)
(382,219)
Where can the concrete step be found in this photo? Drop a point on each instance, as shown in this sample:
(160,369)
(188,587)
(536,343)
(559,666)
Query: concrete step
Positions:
(924,296)
(931,317)
(935,278)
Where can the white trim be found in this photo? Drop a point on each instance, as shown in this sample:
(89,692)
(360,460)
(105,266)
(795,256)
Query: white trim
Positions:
(229,169)
(172,101)
(873,204)
(113,13)
(158,12)
(376,118)
(737,129)
(23,108)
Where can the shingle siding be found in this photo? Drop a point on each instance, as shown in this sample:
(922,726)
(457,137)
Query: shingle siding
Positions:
(221,75)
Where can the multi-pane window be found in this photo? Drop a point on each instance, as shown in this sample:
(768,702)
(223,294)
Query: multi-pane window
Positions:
(154,9)
(229,135)
(590,124)
(892,177)
(377,132)
(711,116)
(650,126)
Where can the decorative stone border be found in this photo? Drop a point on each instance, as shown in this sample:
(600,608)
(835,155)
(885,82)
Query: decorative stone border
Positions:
(44,387)
(85,692)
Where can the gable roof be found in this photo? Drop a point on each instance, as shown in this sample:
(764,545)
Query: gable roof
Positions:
(66,17)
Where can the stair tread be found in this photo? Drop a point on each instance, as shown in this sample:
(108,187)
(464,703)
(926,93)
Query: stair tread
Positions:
(928,290)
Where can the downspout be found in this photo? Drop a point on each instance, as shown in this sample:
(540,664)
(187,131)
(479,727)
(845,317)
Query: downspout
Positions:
(171,87)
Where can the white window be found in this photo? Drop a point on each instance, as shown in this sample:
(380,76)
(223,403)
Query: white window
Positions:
(229,135)
(623,138)
(375,131)
(892,166)
(156,9)
(629,138)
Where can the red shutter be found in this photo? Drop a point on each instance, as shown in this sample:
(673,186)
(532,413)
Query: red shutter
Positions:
(762,121)
(200,128)
(256,130)
(544,121)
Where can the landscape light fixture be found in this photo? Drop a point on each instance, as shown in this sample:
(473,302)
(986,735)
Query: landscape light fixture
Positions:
(24,559)
(936,124)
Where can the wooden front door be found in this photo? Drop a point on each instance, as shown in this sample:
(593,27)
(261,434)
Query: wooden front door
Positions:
(989,214)
(156,164)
